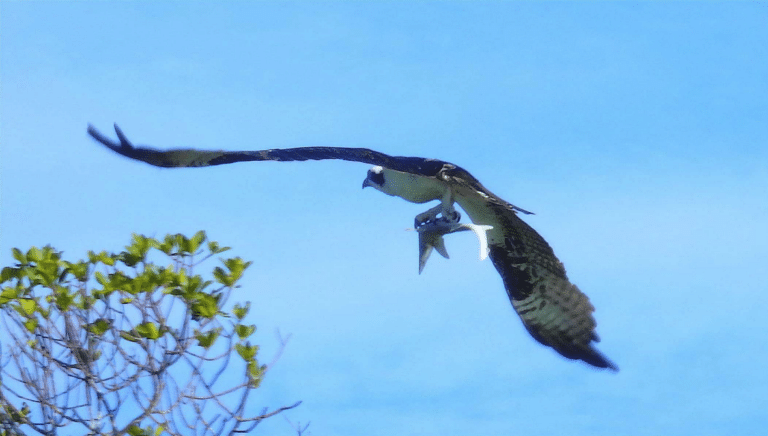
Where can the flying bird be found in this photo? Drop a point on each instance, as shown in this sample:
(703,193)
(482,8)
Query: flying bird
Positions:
(553,310)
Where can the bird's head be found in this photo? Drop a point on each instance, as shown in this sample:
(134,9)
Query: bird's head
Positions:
(408,186)
(375,178)
(389,182)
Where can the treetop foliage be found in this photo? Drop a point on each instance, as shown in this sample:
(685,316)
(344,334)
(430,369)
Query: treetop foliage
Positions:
(119,344)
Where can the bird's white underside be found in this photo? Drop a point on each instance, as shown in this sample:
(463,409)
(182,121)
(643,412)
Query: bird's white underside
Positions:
(420,189)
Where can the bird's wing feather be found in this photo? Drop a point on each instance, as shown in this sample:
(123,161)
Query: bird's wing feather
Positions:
(553,310)
(189,157)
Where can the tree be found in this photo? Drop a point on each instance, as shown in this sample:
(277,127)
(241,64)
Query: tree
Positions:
(117,344)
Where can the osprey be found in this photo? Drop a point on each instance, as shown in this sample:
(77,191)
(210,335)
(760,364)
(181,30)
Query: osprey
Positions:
(553,310)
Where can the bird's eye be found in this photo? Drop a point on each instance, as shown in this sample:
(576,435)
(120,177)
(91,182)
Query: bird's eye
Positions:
(377,178)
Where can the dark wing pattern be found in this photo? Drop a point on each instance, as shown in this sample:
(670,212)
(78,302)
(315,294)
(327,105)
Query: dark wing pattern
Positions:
(189,157)
(553,310)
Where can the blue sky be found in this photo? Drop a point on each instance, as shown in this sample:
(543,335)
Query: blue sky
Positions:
(637,132)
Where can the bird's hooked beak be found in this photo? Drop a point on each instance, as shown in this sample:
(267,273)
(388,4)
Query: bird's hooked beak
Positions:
(375,178)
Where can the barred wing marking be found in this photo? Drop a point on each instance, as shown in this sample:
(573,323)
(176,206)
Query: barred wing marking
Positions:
(553,310)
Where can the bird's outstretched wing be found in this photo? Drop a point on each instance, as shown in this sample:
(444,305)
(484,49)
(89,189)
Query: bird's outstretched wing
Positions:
(190,157)
(553,310)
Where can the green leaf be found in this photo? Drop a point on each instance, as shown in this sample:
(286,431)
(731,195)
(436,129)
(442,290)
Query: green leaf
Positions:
(135,430)
(241,311)
(19,256)
(236,267)
(195,284)
(221,276)
(204,306)
(102,257)
(255,374)
(108,259)
(178,240)
(129,259)
(247,351)
(214,248)
(31,324)
(101,279)
(9,294)
(148,330)
(128,336)
(139,284)
(101,293)
(140,246)
(34,255)
(185,245)
(79,270)
(63,299)
(17,416)
(119,280)
(167,245)
(9,273)
(99,327)
(196,240)
(205,340)
(48,271)
(28,305)
(243,331)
